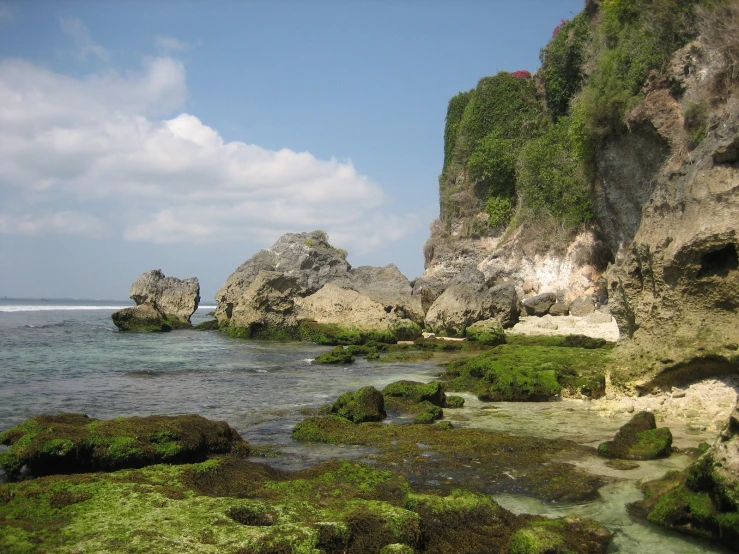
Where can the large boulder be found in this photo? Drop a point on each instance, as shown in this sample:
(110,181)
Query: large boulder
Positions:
(76,443)
(582,306)
(488,332)
(306,257)
(143,318)
(351,310)
(461,305)
(176,298)
(268,302)
(639,439)
(385,285)
(430,286)
(540,304)
(162,303)
(366,404)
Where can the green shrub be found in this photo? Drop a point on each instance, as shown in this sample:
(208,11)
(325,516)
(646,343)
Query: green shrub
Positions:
(631,40)
(453,117)
(561,64)
(493,167)
(503,105)
(551,177)
(499,210)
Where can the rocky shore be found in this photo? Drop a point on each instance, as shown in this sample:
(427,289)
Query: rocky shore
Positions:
(631,310)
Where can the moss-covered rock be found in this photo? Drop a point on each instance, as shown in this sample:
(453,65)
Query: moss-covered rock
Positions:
(488,332)
(530,369)
(428,413)
(560,536)
(704,499)
(366,404)
(229,504)
(398,548)
(582,341)
(431,453)
(75,443)
(210,325)
(639,439)
(336,356)
(417,392)
(143,319)
(453,401)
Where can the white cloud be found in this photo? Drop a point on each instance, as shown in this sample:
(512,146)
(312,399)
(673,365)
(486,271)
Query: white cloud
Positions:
(107,144)
(74,28)
(170,45)
(63,223)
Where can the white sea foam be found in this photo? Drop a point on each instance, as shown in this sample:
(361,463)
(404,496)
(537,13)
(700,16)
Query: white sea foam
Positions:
(48,308)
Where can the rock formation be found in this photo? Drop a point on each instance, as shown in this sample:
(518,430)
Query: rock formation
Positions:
(307,258)
(162,303)
(674,287)
(302,278)
(639,439)
(704,499)
(459,306)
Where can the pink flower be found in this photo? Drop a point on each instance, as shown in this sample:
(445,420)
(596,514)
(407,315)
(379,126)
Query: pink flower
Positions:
(562,23)
(521,74)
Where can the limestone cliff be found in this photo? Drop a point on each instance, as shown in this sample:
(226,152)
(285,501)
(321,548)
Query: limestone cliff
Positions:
(612,174)
(674,286)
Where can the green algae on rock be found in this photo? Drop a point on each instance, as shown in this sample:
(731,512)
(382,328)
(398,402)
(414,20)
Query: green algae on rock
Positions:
(75,443)
(453,401)
(488,332)
(639,439)
(703,500)
(210,325)
(423,400)
(336,356)
(530,369)
(229,504)
(417,392)
(432,453)
(367,404)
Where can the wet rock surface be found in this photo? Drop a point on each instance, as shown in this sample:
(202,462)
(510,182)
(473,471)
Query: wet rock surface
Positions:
(639,439)
(229,504)
(74,443)
(704,499)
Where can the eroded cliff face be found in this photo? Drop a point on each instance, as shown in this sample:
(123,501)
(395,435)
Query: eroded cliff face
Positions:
(665,191)
(674,286)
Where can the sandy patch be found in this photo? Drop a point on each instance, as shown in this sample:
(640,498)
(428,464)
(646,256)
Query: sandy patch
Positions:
(596,325)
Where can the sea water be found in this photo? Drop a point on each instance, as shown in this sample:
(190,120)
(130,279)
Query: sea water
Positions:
(67,356)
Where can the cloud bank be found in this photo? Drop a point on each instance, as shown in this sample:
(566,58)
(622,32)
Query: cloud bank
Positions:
(107,154)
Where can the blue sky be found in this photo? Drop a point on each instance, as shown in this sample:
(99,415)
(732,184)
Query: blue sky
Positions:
(188,135)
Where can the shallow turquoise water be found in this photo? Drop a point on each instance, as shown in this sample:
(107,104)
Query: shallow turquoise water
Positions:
(66,356)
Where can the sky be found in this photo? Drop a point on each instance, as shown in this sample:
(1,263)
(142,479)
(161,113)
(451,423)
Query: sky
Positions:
(185,136)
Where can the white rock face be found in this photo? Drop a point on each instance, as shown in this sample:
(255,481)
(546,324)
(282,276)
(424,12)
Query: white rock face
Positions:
(598,325)
(345,307)
(571,273)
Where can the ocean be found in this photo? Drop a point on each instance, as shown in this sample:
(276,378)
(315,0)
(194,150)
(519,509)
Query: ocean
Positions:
(67,356)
